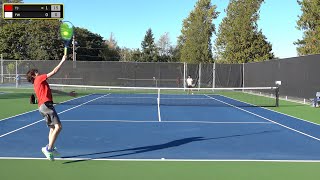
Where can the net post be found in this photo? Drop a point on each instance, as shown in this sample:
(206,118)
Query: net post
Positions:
(278,84)
(1,59)
(277,96)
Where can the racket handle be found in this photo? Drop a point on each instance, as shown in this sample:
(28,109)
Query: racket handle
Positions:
(65,51)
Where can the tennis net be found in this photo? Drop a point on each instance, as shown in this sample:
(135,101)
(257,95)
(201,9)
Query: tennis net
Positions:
(109,95)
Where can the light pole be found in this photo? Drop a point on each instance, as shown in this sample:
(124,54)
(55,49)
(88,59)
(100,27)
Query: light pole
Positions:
(74,49)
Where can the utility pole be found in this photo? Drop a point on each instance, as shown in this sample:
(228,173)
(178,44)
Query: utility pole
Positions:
(74,49)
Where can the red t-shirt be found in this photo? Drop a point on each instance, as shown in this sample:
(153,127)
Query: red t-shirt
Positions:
(42,89)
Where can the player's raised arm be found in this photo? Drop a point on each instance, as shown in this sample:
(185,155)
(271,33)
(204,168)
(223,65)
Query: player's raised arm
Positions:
(57,68)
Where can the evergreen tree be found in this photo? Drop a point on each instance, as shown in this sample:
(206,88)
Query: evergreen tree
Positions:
(309,23)
(136,55)
(238,39)
(149,50)
(195,41)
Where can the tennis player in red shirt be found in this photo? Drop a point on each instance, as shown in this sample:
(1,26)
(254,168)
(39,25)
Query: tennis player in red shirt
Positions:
(46,108)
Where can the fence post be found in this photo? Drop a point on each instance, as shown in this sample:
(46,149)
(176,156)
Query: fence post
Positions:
(17,68)
(214,75)
(1,59)
(17,78)
(243,75)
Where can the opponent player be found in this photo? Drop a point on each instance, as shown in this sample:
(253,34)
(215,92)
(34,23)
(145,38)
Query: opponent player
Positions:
(46,108)
(189,84)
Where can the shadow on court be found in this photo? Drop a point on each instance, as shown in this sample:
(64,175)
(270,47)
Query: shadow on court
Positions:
(143,149)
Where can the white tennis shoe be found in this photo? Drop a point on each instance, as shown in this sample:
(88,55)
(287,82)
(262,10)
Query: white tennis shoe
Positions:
(49,155)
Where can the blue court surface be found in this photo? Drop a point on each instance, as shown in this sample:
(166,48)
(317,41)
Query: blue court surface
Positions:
(95,127)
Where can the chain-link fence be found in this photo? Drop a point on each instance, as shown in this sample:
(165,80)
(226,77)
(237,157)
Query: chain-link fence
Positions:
(299,76)
(229,75)
(104,73)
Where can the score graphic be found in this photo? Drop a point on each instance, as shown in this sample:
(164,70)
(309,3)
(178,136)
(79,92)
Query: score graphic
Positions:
(32,11)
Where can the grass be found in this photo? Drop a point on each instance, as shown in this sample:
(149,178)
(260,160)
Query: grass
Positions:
(302,111)
(160,170)
(16,101)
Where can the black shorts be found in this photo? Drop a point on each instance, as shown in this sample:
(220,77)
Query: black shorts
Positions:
(49,113)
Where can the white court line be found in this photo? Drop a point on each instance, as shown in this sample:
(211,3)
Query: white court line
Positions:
(43,119)
(37,109)
(168,160)
(275,111)
(300,132)
(200,122)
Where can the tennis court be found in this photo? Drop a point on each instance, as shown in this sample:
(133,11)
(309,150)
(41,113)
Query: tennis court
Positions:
(142,126)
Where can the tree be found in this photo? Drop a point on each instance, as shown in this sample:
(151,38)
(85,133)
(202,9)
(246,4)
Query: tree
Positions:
(40,40)
(2,21)
(110,54)
(175,53)
(12,41)
(238,39)
(164,44)
(195,41)
(112,42)
(111,51)
(149,50)
(34,39)
(309,23)
(165,49)
(136,55)
(90,45)
(43,40)
(126,54)
(12,36)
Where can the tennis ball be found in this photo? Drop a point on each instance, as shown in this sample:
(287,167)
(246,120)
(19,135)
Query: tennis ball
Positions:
(65,33)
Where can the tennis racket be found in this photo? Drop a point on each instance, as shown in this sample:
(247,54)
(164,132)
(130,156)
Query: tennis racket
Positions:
(66,32)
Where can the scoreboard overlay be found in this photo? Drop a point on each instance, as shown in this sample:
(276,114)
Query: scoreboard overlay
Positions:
(32,11)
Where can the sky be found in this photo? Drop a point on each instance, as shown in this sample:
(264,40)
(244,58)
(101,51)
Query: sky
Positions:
(129,20)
